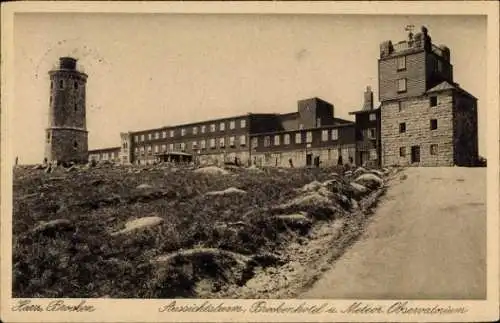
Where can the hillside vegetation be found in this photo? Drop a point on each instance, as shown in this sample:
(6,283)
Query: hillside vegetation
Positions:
(163,232)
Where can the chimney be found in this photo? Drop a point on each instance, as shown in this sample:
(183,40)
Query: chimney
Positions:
(368,103)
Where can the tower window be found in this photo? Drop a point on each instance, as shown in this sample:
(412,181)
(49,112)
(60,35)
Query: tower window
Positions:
(76,85)
(76,107)
(61,84)
(434,149)
(309,137)
(433,101)
(434,124)
(401,63)
(51,85)
(335,134)
(255,142)
(402,127)
(48,137)
(402,152)
(324,135)
(75,144)
(267,141)
(401,85)
(276,140)
(286,139)
(372,133)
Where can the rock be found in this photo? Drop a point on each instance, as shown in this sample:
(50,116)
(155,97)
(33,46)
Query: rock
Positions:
(38,167)
(239,224)
(295,220)
(201,254)
(325,192)
(141,223)
(348,173)
(228,191)
(29,196)
(54,225)
(311,187)
(333,185)
(358,189)
(359,171)
(255,169)
(144,186)
(96,182)
(312,199)
(211,170)
(377,172)
(369,180)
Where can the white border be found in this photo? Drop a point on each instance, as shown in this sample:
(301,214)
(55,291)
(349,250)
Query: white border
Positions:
(147,310)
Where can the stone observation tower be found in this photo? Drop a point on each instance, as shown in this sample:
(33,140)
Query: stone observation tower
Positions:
(66,138)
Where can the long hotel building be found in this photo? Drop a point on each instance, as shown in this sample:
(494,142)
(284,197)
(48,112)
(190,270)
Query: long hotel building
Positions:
(424,119)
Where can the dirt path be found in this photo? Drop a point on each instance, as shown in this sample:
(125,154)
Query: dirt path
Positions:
(426,240)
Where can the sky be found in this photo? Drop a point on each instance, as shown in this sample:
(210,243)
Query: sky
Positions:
(153,70)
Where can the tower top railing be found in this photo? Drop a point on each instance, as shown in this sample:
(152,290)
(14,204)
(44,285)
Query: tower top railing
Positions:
(418,41)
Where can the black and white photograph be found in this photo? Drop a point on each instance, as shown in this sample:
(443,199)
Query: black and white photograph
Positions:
(249,156)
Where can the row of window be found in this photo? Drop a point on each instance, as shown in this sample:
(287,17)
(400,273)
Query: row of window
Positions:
(433,150)
(433,125)
(433,102)
(195,130)
(202,144)
(401,64)
(325,136)
(62,84)
(104,156)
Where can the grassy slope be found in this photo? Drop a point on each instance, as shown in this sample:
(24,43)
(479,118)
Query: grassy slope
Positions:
(86,261)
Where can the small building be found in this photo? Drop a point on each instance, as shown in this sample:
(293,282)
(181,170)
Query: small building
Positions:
(367,131)
(111,154)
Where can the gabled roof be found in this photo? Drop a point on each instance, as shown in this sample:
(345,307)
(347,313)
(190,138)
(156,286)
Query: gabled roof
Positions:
(445,85)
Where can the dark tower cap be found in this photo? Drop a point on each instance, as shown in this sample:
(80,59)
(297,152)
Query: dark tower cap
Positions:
(67,63)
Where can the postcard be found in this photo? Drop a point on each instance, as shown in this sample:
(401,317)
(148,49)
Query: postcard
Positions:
(250,162)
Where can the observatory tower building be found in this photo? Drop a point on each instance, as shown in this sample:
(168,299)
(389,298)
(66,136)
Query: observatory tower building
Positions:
(66,135)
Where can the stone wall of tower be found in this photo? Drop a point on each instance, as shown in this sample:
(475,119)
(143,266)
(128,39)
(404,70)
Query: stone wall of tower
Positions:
(416,113)
(66,137)
(465,130)
(66,145)
(414,73)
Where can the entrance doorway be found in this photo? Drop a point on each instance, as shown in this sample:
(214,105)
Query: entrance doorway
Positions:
(309,159)
(415,154)
(316,161)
